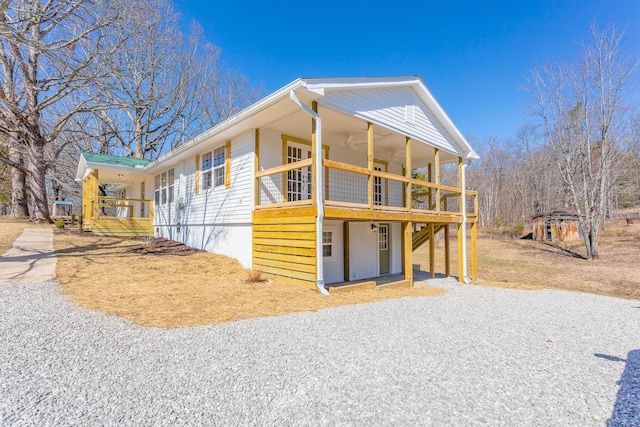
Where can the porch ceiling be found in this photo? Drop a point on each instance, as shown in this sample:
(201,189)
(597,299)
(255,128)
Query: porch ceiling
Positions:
(120,176)
(337,127)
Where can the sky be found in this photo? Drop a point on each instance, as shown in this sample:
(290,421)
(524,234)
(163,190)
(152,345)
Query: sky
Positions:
(474,56)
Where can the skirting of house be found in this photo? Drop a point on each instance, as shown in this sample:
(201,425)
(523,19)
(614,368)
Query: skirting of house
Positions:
(285,245)
(233,240)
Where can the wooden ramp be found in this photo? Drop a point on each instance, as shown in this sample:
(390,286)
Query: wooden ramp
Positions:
(382,282)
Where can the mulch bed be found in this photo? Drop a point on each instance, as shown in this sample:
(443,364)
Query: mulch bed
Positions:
(147,246)
(162,246)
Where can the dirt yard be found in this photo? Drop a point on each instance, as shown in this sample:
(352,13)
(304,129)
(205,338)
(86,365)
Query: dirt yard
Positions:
(529,264)
(168,285)
(132,279)
(11,229)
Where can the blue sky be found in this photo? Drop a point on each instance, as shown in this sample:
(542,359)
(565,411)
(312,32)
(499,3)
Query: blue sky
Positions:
(474,56)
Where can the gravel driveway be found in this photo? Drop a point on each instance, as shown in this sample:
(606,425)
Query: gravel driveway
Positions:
(476,356)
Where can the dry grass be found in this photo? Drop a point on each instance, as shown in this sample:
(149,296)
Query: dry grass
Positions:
(526,264)
(102,273)
(11,229)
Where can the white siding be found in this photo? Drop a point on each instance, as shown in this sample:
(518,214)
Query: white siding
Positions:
(334,265)
(364,259)
(270,157)
(363,248)
(398,109)
(217,219)
(396,248)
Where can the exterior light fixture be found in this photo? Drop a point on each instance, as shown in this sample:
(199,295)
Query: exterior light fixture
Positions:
(374,228)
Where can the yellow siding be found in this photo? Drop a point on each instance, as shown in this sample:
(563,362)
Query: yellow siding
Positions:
(89,199)
(284,245)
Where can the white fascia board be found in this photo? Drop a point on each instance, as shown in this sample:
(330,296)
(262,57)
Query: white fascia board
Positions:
(229,123)
(129,169)
(358,82)
(81,171)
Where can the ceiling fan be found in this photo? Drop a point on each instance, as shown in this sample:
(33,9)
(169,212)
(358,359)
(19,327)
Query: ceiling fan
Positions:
(351,142)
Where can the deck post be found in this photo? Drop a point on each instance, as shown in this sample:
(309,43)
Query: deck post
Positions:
(432,245)
(474,242)
(345,237)
(407,250)
(370,163)
(474,251)
(447,252)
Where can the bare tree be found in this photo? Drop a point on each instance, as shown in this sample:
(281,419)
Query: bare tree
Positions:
(582,112)
(226,93)
(152,93)
(46,53)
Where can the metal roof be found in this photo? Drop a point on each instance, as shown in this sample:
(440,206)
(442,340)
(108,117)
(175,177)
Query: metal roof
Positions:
(107,159)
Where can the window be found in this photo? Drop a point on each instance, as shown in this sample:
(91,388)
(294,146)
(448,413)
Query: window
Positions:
(157,187)
(170,182)
(218,166)
(213,168)
(377,188)
(164,187)
(383,237)
(327,244)
(206,171)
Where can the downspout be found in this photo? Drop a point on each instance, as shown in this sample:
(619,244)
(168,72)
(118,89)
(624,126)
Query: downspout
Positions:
(464,222)
(319,193)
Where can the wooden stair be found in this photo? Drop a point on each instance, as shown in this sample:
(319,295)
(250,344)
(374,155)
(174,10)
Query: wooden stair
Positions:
(422,236)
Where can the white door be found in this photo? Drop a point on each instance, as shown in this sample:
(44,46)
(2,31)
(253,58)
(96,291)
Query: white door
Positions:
(379,187)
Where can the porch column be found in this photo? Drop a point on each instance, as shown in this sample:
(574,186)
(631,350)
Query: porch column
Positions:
(370,163)
(429,179)
(256,196)
(95,194)
(407,238)
(314,160)
(436,163)
(407,172)
(461,228)
(432,250)
(407,229)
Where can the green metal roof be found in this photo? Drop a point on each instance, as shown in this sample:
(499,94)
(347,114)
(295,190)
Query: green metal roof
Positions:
(108,159)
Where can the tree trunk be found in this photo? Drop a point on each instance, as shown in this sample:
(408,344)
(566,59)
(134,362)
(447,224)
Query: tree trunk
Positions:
(593,240)
(19,206)
(37,182)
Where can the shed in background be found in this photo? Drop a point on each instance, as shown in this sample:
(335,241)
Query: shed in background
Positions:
(61,208)
(556,226)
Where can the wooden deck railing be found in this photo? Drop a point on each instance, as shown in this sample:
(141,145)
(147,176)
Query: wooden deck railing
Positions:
(115,207)
(356,187)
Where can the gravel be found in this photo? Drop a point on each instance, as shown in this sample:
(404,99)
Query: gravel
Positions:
(475,356)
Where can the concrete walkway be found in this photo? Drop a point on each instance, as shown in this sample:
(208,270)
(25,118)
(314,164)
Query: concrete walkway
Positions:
(31,259)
